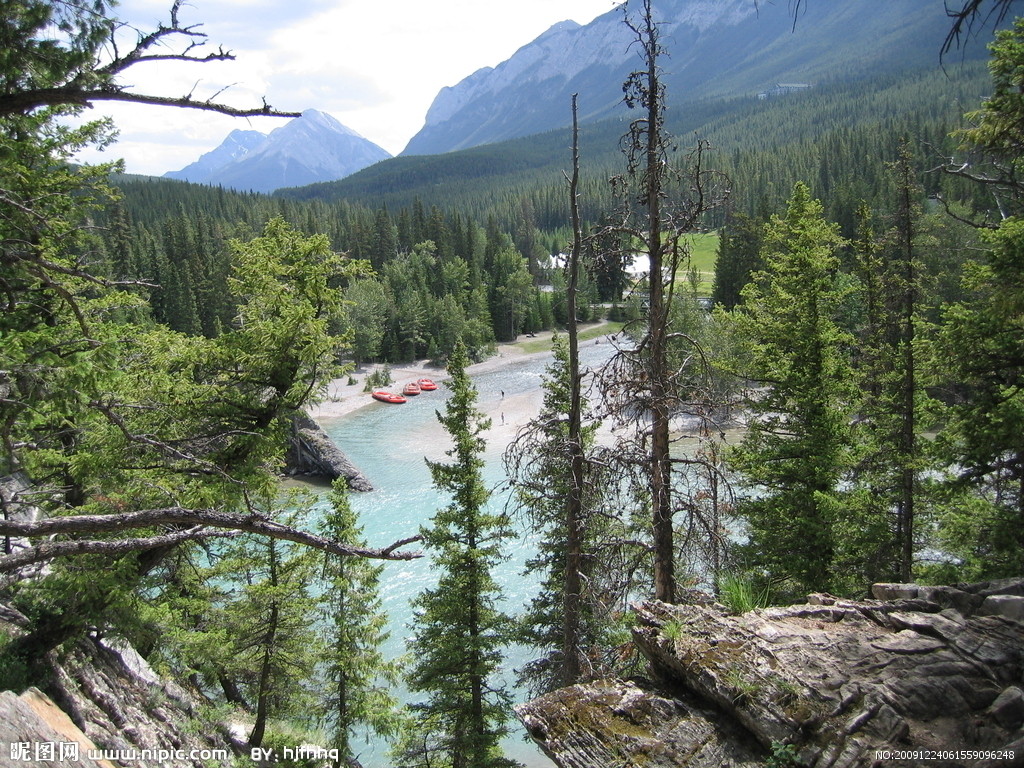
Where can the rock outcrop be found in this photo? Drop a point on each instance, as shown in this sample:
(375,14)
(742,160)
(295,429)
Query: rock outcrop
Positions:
(918,676)
(311,452)
(101,695)
(31,723)
(618,723)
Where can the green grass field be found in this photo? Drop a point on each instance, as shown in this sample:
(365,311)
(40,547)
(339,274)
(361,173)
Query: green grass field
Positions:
(591,332)
(703,254)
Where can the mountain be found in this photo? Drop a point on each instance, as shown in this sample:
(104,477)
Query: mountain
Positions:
(715,48)
(309,149)
(235,147)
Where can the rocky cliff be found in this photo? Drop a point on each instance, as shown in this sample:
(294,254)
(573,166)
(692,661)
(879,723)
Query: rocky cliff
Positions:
(918,676)
(311,452)
(102,698)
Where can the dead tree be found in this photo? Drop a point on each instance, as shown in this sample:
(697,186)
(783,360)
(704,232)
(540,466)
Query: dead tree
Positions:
(648,381)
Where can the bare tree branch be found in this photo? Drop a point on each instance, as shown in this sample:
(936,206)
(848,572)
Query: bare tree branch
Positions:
(50,550)
(90,84)
(26,101)
(205,518)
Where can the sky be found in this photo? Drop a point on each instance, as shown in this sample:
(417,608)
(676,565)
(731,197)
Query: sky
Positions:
(374,66)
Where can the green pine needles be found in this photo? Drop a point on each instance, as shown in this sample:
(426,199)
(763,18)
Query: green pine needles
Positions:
(358,679)
(797,444)
(459,631)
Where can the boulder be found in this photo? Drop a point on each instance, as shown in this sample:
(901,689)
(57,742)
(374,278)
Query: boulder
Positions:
(616,724)
(838,682)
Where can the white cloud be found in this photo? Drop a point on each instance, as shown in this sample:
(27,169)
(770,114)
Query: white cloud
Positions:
(375,66)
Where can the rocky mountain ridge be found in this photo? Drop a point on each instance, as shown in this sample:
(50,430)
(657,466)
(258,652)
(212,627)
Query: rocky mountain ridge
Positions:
(305,150)
(715,48)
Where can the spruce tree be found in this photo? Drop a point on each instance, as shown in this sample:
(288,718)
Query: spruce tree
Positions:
(979,355)
(739,248)
(358,677)
(459,632)
(882,539)
(274,646)
(555,484)
(563,621)
(797,445)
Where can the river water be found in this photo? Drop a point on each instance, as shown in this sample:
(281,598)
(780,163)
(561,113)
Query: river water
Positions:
(389,444)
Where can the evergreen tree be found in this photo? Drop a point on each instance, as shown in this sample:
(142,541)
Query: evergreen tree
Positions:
(274,646)
(995,139)
(459,632)
(366,315)
(980,357)
(661,204)
(511,293)
(881,543)
(564,620)
(796,448)
(739,256)
(358,677)
(384,245)
(140,441)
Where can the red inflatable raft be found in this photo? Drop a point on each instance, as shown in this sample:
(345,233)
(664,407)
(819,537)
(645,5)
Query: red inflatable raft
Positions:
(388,397)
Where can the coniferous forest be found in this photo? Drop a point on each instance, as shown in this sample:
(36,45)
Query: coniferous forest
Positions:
(861,338)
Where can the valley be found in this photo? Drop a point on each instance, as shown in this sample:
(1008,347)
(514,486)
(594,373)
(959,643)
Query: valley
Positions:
(723,345)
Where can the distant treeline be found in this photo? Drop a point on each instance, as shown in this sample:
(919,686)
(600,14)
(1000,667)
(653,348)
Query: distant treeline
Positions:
(459,243)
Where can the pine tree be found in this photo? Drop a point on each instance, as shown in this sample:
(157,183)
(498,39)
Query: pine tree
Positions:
(881,544)
(739,248)
(980,355)
(797,445)
(274,645)
(459,631)
(358,677)
(661,204)
(563,621)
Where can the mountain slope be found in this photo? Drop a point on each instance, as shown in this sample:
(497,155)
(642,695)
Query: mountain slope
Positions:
(309,149)
(235,147)
(715,48)
(923,104)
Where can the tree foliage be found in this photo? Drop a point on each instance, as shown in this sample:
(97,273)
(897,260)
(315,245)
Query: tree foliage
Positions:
(539,464)
(358,680)
(797,445)
(459,631)
(981,353)
(132,441)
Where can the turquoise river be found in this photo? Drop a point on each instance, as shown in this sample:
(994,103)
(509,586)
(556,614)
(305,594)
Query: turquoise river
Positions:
(390,443)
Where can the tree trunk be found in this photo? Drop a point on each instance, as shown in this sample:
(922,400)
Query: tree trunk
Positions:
(908,422)
(270,638)
(573,594)
(660,464)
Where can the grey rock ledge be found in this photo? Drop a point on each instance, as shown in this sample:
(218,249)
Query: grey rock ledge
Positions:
(929,668)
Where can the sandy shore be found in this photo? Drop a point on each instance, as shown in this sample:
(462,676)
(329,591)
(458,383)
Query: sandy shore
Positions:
(343,397)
